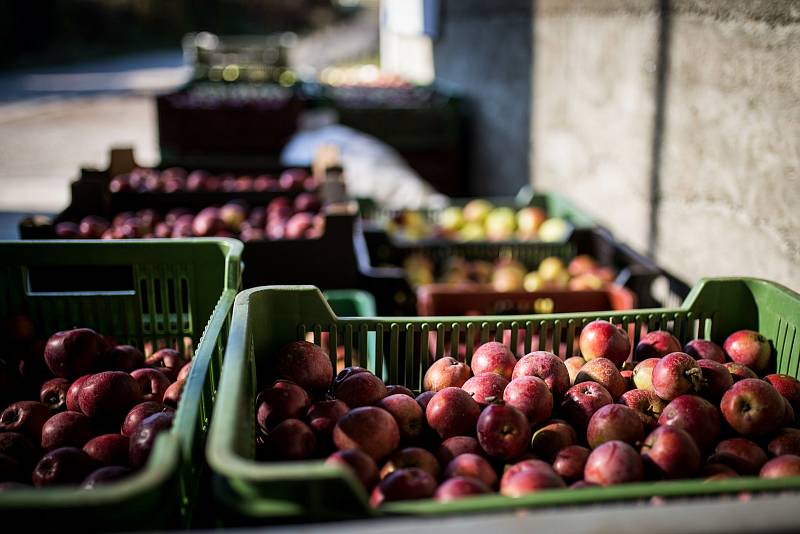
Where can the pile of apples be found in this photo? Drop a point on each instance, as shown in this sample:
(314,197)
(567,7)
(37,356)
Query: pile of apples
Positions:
(479,220)
(78,409)
(518,426)
(282,218)
(506,274)
(177,179)
(258,96)
(371,96)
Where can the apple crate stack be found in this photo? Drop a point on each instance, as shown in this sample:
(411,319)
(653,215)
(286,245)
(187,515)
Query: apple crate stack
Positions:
(454,415)
(534,252)
(212,124)
(277,213)
(112,355)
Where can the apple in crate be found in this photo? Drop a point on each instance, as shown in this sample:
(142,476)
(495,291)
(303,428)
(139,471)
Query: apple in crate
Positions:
(749,348)
(601,339)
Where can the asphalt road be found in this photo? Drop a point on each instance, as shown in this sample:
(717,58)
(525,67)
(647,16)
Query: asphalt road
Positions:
(53,121)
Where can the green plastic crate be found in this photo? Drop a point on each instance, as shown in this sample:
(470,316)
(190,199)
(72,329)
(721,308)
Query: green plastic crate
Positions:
(351,302)
(176,292)
(266,318)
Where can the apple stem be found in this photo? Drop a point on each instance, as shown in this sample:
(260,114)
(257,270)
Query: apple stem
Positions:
(695,376)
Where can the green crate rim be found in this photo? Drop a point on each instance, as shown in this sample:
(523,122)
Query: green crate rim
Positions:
(237,473)
(170,447)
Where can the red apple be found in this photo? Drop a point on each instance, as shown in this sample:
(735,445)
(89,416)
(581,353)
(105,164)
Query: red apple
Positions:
(739,371)
(536,476)
(604,372)
(749,348)
(140,412)
(425,397)
(669,452)
(307,365)
(26,418)
(361,389)
(283,400)
(582,484)
(601,339)
(446,372)
(657,344)
(395,389)
(485,388)
(703,349)
(753,407)
(105,475)
(570,462)
(207,222)
(613,462)
(493,357)
(371,429)
(647,404)
(788,386)
(643,373)
(109,394)
(66,465)
(581,401)
(787,465)
(408,414)
(346,373)
(573,365)
(122,358)
(459,487)
(108,449)
(168,361)
(551,437)
(72,353)
(66,429)
(53,393)
(548,367)
(403,485)
(676,374)
(741,455)
(786,441)
(359,463)
(298,225)
(452,412)
(716,379)
(531,396)
(696,416)
(614,422)
(173,394)
(67,230)
(152,383)
(474,466)
(581,264)
(712,471)
(503,431)
(291,439)
(455,446)
(412,457)
(323,415)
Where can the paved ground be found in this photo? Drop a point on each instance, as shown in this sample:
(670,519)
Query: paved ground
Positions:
(55,120)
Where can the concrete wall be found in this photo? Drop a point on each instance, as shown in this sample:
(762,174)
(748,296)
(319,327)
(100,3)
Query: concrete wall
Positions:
(484,51)
(718,191)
